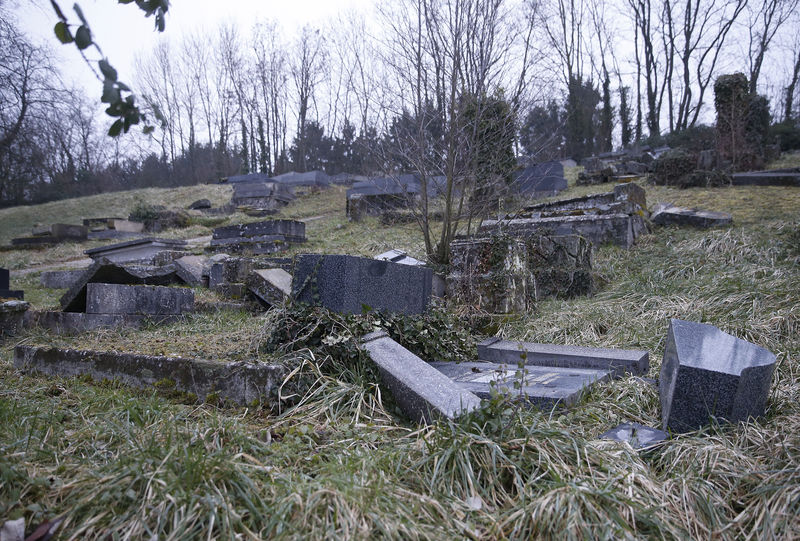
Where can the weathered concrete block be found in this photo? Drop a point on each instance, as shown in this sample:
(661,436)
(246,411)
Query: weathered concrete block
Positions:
(422,392)
(60,279)
(78,322)
(668,214)
(708,374)
(272,286)
(191,269)
(12,314)
(140,300)
(543,386)
(239,382)
(346,284)
(617,361)
(265,244)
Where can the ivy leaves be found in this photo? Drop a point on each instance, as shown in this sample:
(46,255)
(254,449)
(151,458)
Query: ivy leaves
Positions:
(121,101)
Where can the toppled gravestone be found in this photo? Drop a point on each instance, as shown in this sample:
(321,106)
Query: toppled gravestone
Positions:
(637,435)
(503,274)
(438,283)
(348,284)
(143,251)
(62,279)
(775,177)
(542,386)
(271,286)
(615,217)
(138,299)
(668,214)
(710,375)
(193,269)
(5,292)
(616,361)
(423,393)
(258,238)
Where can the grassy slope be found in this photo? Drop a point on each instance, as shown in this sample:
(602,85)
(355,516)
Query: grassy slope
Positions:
(344,464)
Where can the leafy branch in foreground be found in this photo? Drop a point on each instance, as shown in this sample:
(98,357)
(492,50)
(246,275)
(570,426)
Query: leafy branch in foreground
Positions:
(121,101)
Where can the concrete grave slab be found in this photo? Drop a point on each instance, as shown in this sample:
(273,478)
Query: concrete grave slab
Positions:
(768,178)
(399,256)
(291,230)
(106,272)
(637,435)
(542,386)
(617,361)
(668,214)
(264,244)
(138,299)
(272,286)
(62,279)
(423,393)
(243,383)
(708,374)
(346,284)
(139,250)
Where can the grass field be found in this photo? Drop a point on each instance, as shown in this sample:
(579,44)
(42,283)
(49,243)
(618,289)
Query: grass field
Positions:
(344,463)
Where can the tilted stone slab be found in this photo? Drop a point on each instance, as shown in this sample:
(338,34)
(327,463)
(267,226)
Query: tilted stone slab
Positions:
(239,382)
(272,286)
(423,393)
(191,269)
(138,299)
(106,272)
(708,374)
(542,386)
(667,214)
(346,284)
(617,361)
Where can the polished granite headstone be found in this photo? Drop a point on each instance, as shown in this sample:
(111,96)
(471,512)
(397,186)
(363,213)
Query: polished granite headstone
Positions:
(710,375)
(638,436)
(543,386)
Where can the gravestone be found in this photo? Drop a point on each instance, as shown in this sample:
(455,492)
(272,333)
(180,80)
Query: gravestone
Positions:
(637,435)
(264,244)
(347,284)
(62,279)
(138,250)
(5,292)
(423,393)
(668,214)
(789,177)
(399,256)
(272,286)
(616,361)
(540,180)
(542,386)
(138,300)
(191,269)
(708,374)
(12,314)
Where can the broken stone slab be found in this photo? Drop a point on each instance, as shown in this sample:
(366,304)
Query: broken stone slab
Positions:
(264,244)
(62,279)
(617,361)
(637,435)
(272,286)
(139,250)
(710,375)
(399,256)
(106,272)
(542,386)
(668,214)
(62,231)
(292,230)
(767,178)
(12,314)
(78,322)
(138,299)
(243,383)
(191,269)
(347,284)
(423,393)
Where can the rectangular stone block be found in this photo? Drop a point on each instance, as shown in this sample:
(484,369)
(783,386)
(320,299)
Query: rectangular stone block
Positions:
(12,294)
(243,383)
(346,284)
(542,386)
(601,229)
(265,244)
(291,230)
(423,393)
(60,279)
(69,231)
(617,361)
(126,226)
(191,269)
(138,250)
(710,375)
(272,286)
(668,214)
(139,300)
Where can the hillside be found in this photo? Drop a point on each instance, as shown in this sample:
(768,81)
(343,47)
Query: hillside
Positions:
(345,463)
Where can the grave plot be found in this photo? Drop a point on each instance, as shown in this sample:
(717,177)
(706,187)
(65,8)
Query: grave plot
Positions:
(258,238)
(142,251)
(708,375)
(52,234)
(349,285)
(616,217)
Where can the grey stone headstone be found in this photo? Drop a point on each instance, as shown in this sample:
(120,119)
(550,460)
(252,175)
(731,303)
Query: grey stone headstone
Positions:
(637,435)
(708,374)
(543,386)
(423,393)
(346,284)
(138,300)
(667,214)
(291,230)
(5,278)
(273,286)
(617,361)
(191,269)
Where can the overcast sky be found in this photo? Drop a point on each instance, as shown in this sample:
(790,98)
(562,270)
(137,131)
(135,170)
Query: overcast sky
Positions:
(122,30)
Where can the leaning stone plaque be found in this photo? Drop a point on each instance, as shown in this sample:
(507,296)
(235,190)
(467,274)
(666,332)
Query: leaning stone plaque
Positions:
(710,375)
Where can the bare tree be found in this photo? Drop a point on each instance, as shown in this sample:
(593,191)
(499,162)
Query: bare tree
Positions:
(308,71)
(764,19)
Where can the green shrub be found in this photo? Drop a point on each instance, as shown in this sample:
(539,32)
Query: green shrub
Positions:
(144,212)
(694,138)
